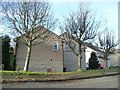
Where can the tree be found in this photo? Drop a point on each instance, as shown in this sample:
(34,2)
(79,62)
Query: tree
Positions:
(107,44)
(93,63)
(80,27)
(12,58)
(31,20)
(5,52)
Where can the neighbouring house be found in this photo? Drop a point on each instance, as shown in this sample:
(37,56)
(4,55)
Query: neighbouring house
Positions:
(71,60)
(112,58)
(55,55)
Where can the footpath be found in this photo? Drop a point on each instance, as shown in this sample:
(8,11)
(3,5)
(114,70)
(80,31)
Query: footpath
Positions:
(52,77)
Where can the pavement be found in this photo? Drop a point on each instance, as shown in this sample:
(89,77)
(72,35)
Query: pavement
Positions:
(102,82)
(59,80)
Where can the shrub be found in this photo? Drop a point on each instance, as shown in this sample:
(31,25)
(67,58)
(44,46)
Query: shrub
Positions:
(93,63)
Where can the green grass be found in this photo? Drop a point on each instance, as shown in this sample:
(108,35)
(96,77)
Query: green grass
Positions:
(53,73)
(8,76)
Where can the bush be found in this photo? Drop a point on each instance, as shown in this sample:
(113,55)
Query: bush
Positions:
(93,63)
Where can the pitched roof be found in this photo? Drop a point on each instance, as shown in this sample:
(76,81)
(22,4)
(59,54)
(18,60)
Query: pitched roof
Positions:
(117,51)
(93,47)
(87,44)
(38,28)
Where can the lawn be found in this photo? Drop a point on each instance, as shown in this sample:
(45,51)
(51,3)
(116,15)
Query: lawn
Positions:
(13,76)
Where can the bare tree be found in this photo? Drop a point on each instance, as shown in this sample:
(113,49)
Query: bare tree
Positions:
(107,44)
(31,20)
(80,27)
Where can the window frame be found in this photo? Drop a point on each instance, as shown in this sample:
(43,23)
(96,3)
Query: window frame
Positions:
(55,46)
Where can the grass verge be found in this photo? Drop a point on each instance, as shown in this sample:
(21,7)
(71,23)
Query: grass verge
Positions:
(13,76)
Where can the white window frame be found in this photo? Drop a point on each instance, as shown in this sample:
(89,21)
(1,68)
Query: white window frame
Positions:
(54,46)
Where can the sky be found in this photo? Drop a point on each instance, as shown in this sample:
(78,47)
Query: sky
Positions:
(108,10)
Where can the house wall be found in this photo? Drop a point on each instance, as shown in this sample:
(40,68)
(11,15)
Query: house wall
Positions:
(42,57)
(114,60)
(88,52)
(70,61)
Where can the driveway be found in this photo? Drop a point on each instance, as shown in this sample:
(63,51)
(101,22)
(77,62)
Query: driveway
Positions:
(104,82)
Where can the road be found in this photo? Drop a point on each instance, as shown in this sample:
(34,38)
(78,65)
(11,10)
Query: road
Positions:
(104,82)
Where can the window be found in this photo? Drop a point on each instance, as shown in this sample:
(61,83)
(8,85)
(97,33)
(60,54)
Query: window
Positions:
(65,46)
(55,46)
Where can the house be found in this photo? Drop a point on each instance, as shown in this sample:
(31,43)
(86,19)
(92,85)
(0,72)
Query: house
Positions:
(46,56)
(55,55)
(71,62)
(114,59)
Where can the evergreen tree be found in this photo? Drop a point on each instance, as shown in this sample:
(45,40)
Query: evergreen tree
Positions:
(93,63)
(5,52)
(12,59)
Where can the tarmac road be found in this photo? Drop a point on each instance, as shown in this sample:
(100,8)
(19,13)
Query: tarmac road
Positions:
(103,82)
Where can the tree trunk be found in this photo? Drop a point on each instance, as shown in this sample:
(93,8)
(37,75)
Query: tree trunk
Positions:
(106,63)
(83,61)
(79,57)
(79,62)
(26,67)
(106,59)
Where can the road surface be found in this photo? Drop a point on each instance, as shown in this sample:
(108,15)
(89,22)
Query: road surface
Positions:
(104,82)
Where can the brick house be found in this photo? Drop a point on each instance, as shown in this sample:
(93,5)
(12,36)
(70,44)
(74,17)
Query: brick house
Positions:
(45,56)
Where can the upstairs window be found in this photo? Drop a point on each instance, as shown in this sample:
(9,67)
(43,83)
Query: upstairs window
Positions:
(65,46)
(55,46)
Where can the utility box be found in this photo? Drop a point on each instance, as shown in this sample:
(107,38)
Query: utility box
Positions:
(49,70)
